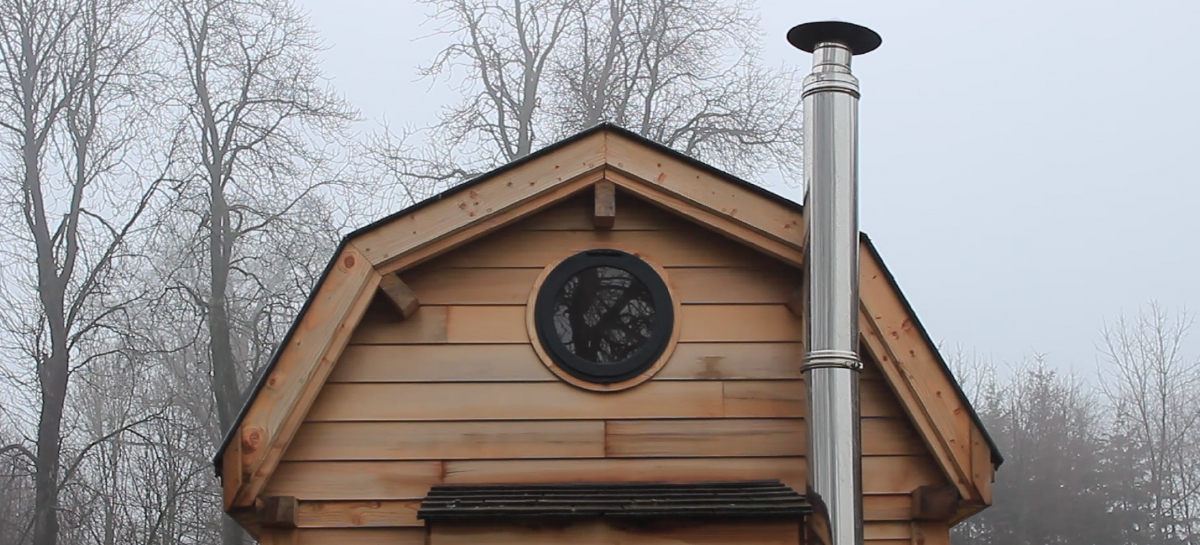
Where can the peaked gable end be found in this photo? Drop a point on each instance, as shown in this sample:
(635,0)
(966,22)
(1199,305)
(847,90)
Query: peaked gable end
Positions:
(702,195)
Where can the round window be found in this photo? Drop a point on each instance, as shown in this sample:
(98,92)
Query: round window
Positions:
(604,316)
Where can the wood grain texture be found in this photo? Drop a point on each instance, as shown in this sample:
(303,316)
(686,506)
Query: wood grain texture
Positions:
(365,536)
(301,368)
(930,533)
(703,437)
(706,189)
(887,530)
(982,468)
(506,324)
(682,438)
(612,533)
(354,480)
(575,214)
(785,399)
(785,251)
(554,400)
(399,294)
(401,513)
(473,231)
(519,363)
(440,363)
(733,361)
(512,286)
(740,323)
(515,401)
(517,248)
(407,480)
(358,514)
(447,440)
(604,210)
(912,363)
(484,201)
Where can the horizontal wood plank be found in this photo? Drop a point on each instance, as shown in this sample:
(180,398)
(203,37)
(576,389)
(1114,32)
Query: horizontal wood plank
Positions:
(745,437)
(883,508)
(788,470)
(785,399)
(354,480)
(512,286)
(490,201)
(618,533)
(887,530)
(515,401)
(447,440)
(518,362)
(518,248)
(364,536)
(555,400)
(401,513)
(739,323)
(633,214)
(701,437)
(404,480)
(358,514)
(440,363)
(506,324)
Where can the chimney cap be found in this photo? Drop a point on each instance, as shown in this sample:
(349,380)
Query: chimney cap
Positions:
(859,39)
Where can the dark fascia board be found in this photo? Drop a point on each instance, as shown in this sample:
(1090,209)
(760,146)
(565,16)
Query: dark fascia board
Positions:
(260,380)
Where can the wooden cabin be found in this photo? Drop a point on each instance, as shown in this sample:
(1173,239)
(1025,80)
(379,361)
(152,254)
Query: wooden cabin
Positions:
(537,355)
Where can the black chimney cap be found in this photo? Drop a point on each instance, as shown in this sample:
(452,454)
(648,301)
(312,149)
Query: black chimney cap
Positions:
(859,39)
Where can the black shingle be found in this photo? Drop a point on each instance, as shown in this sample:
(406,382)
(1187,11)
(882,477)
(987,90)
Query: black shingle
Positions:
(766,498)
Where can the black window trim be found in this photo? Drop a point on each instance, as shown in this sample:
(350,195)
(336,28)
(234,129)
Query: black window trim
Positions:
(645,357)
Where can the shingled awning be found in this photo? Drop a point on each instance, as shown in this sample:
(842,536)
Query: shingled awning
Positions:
(766,498)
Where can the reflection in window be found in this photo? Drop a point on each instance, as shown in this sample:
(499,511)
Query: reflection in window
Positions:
(603,314)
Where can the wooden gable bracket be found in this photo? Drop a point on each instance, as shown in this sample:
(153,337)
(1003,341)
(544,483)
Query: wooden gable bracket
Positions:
(276,511)
(931,503)
(604,213)
(400,295)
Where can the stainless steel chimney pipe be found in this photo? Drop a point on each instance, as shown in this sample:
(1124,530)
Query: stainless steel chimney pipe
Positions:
(831,364)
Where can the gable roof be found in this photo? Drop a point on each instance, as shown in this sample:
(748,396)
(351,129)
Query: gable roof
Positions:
(744,211)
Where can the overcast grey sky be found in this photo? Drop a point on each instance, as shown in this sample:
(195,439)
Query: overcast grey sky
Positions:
(1027,167)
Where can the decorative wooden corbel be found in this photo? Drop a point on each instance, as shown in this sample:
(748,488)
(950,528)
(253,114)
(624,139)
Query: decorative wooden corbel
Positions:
(935,503)
(276,511)
(604,215)
(400,295)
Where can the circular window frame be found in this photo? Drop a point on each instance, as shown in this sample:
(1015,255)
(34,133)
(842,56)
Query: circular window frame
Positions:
(549,348)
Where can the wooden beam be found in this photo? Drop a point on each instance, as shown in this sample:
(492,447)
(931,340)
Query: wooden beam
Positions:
(780,247)
(935,503)
(276,511)
(604,214)
(795,301)
(304,362)
(400,295)
(911,366)
(497,197)
(232,472)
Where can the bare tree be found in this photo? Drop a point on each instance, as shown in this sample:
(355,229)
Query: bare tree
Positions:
(255,206)
(684,73)
(1154,390)
(1053,486)
(68,116)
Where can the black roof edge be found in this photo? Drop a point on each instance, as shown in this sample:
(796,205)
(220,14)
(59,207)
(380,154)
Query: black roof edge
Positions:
(260,380)
(997,456)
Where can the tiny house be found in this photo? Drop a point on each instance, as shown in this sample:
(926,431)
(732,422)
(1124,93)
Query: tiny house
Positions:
(600,343)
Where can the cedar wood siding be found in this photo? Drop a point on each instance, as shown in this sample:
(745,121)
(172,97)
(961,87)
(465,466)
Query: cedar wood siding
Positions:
(456,394)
